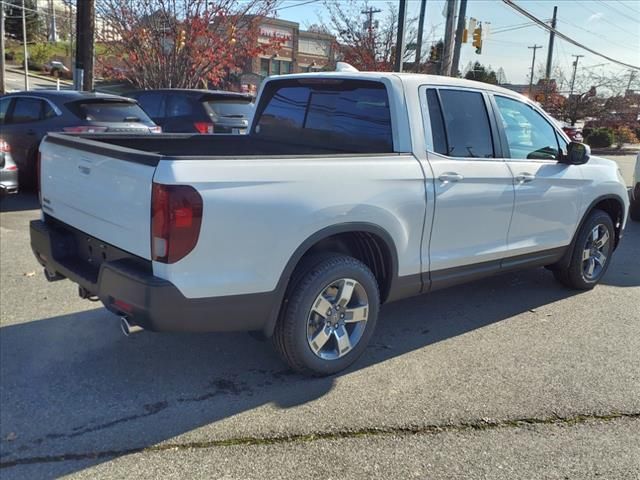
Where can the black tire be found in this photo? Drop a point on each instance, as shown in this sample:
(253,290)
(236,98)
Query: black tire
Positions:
(575,276)
(634,209)
(311,279)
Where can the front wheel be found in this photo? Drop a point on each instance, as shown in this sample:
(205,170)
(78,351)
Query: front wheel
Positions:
(591,253)
(329,317)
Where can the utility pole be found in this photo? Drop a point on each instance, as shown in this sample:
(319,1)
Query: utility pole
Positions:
(533,65)
(402,19)
(370,12)
(78,72)
(3,88)
(90,37)
(459,33)
(573,82)
(85,27)
(447,54)
(24,48)
(632,75)
(423,8)
(552,36)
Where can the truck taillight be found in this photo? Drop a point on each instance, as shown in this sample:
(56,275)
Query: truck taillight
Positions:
(176,215)
(204,127)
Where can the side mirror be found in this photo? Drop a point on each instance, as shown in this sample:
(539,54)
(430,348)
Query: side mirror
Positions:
(577,154)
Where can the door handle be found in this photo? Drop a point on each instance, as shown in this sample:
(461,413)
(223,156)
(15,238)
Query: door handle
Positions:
(450,177)
(525,177)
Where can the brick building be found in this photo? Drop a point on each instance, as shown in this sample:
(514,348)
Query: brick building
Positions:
(299,51)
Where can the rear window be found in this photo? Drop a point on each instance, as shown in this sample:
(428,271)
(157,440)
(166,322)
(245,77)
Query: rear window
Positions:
(349,115)
(112,112)
(230,108)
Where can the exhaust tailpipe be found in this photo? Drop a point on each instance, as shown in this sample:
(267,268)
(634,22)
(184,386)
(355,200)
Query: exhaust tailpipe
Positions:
(129,329)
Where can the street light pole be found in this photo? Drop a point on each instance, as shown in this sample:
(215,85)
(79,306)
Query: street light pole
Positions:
(24,46)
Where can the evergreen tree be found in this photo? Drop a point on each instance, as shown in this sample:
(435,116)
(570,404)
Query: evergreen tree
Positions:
(13,20)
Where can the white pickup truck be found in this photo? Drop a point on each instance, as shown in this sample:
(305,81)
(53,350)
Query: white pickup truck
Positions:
(351,190)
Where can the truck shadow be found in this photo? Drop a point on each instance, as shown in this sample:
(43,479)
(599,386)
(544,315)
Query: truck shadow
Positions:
(75,393)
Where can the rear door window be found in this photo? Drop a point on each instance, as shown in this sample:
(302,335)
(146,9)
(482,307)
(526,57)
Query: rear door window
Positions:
(118,112)
(464,116)
(26,110)
(348,115)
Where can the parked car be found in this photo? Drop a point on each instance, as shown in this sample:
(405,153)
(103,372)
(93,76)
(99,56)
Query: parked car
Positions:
(351,189)
(635,192)
(8,170)
(26,117)
(197,111)
(57,69)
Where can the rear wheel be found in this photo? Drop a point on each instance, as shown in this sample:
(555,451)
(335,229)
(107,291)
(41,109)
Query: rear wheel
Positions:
(330,315)
(591,253)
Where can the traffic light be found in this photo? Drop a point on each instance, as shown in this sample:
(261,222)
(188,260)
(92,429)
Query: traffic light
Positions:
(182,39)
(477,39)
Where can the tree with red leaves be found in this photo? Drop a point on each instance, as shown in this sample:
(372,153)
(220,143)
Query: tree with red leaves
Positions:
(180,43)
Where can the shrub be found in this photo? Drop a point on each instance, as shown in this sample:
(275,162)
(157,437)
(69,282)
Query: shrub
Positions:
(600,138)
(586,131)
(624,135)
(41,53)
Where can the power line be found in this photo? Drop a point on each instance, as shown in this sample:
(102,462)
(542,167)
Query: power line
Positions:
(298,4)
(602,18)
(637,12)
(594,33)
(561,35)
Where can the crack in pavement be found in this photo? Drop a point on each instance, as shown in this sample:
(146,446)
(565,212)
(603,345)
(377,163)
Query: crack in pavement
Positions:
(341,434)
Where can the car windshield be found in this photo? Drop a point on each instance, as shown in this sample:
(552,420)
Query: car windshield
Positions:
(236,108)
(113,112)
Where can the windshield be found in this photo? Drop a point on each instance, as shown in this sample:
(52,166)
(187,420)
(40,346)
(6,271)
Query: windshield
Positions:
(230,108)
(113,112)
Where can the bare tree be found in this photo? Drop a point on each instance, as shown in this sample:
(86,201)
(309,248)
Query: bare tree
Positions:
(366,45)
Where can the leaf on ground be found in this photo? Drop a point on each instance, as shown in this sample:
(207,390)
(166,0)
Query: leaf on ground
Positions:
(29,274)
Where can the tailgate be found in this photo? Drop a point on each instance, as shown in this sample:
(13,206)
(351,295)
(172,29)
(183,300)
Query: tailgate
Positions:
(100,189)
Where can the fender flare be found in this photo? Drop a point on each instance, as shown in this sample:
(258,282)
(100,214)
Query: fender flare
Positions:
(312,240)
(566,258)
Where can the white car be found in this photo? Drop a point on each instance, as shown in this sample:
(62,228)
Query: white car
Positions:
(351,189)
(634,211)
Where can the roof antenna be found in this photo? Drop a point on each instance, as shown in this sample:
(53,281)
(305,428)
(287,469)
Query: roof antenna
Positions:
(345,67)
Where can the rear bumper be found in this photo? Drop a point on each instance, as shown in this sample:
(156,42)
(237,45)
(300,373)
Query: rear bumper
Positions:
(127,287)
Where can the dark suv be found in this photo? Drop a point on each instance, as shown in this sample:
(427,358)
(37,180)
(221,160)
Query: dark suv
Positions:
(26,117)
(197,111)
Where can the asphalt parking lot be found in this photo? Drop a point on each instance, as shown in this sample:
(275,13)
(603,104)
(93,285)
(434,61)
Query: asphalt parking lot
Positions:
(511,377)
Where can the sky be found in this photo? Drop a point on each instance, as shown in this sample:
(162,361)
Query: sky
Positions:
(611,27)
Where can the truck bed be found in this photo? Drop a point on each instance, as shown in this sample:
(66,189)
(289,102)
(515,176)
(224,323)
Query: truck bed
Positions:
(207,146)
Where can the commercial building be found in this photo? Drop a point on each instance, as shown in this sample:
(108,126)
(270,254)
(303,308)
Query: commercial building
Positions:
(295,51)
